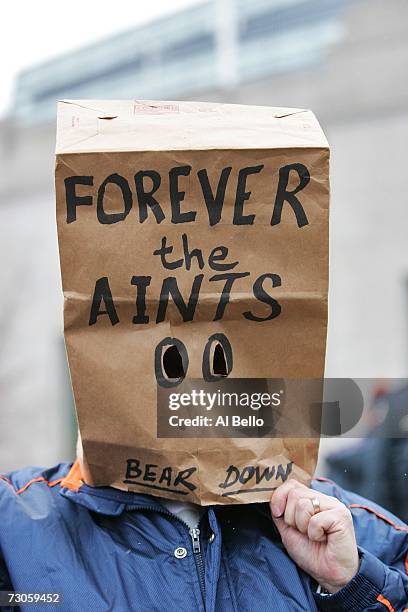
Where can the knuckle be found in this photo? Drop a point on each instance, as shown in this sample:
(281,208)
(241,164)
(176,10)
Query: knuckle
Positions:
(302,526)
(343,510)
(347,515)
(304,504)
(344,516)
(328,500)
(282,489)
(293,496)
(277,495)
(300,486)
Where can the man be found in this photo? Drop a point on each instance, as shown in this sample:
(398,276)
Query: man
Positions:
(99,548)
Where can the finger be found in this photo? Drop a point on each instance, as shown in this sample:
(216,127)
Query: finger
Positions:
(325,523)
(305,509)
(280,525)
(286,532)
(293,490)
(299,503)
(279,497)
(299,506)
(303,513)
(292,501)
(290,536)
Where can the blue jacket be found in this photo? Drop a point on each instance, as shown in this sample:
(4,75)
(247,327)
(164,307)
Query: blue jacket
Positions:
(104,549)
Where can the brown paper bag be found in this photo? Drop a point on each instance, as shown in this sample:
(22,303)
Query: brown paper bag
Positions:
(194,245)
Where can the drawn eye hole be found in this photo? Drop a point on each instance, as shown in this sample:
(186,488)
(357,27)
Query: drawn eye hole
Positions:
(173,363)
(219,362)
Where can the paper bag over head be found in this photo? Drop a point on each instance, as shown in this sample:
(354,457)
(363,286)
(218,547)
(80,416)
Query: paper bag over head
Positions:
(194,247)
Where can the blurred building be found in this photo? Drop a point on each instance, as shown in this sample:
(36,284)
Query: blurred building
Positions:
(185,54)
(344,59)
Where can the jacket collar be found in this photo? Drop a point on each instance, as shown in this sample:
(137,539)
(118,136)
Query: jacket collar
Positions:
(104,500)
(113,502)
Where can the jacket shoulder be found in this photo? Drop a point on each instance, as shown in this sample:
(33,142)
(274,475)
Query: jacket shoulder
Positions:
(19,481)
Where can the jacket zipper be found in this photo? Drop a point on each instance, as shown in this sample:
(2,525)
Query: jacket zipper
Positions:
(195,538)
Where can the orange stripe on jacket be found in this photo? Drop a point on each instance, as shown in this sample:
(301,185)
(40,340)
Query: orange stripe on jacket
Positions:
(381,516)
(73,480)
(386,603)
(51,483)
(322,479)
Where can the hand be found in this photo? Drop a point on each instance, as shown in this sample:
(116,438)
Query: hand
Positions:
(322,544)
